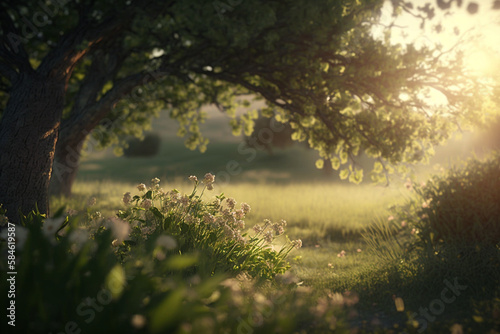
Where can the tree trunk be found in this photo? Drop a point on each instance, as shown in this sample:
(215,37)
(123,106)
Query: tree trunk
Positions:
(66,162)
(28,136)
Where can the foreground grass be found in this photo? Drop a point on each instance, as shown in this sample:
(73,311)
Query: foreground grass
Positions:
(329,218)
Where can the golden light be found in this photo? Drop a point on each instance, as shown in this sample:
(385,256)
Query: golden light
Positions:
(482,62)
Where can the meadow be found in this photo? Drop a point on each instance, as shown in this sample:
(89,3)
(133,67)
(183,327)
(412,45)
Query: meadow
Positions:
(331,218)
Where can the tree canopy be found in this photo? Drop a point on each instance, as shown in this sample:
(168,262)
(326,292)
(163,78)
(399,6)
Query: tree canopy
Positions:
(316,64)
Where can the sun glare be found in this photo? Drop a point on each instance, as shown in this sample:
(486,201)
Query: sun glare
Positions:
(482,62)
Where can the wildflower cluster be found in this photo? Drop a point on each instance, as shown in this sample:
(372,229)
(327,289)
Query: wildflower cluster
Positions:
(215,229)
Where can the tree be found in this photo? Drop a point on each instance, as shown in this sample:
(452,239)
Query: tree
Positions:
(72,67)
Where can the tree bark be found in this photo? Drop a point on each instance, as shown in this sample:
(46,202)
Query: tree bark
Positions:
(66,162)
(28,136)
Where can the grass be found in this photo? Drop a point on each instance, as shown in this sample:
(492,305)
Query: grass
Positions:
(314,211)
(329,218)
(328,215)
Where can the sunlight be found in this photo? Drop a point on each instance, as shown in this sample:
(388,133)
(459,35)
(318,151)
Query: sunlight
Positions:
(480,33)
(482,62)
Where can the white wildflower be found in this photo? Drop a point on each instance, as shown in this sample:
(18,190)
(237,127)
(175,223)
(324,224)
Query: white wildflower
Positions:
(278,229)
(245,207)
(127,198)
(119,228)
(147,203)
(138,321)
(239,214)
(208,218)
(141,187)
(231,202)
(268,236)
(167,242)
(193,178)
(51,225)
(209,179)
(297,243)
(79,236)
(155,181)
(92,201)
(258,229)
(71,212)
(240,224)
(21,235)
(184,200)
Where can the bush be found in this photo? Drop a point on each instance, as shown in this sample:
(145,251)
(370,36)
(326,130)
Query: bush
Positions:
(148,147)
(462,207)
(214,229)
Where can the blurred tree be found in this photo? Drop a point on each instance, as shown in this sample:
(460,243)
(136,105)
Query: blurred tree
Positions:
(74,68)
(268,133)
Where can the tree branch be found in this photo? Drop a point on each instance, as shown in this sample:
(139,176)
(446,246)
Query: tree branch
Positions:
(14,54)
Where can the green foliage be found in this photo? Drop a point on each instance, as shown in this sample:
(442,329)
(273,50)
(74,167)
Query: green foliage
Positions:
(317,65)
(461,207)
(147,147)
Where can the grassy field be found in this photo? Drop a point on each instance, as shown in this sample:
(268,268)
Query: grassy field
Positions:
(327,214)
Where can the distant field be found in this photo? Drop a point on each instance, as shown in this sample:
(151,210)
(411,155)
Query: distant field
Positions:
(314,211)
(285,185)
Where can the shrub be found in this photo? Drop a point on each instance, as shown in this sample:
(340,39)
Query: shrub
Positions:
(213,229)
(147,147)
(462,207)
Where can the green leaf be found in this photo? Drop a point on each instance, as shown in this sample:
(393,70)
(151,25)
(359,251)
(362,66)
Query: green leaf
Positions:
(156,212)
(335,163)
(356,176)
(319,163)
(343,157)
(115,281)
(377,167)
(180,262)
(344,174)
(166,314)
